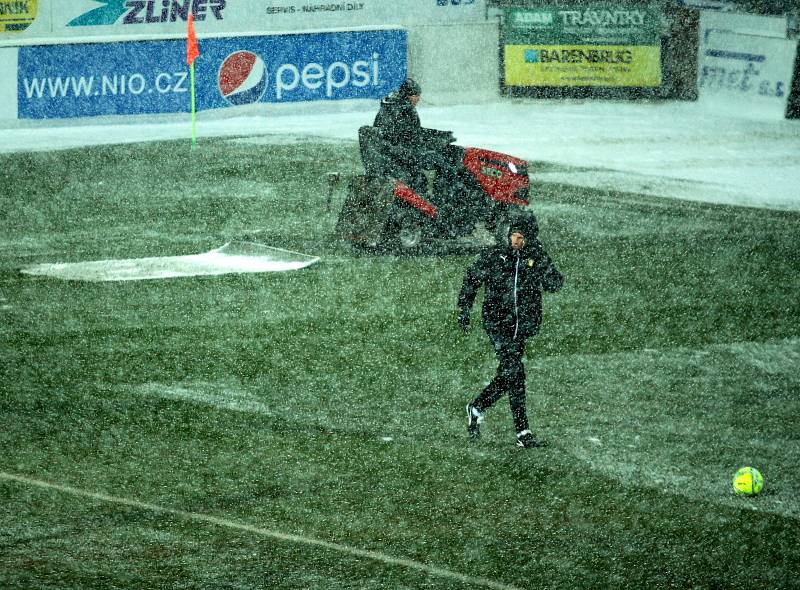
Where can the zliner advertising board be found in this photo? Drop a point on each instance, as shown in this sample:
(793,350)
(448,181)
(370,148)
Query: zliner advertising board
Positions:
(148,19)
(148,77)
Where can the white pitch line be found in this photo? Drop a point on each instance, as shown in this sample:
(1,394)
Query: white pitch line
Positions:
(298,539)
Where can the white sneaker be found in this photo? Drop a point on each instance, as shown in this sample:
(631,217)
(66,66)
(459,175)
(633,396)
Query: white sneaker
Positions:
(527,440)
(474,419)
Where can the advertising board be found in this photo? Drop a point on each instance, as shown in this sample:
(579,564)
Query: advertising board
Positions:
(146,77)
(17,15)
(148,19)
(601,45)
(747,73)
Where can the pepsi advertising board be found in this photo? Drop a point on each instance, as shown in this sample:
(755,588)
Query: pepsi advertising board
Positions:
(151,77)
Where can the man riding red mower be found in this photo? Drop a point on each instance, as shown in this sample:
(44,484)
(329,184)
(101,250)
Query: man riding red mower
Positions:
(419,187)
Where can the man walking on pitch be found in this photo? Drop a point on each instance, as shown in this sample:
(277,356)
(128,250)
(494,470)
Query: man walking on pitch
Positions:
(513,276)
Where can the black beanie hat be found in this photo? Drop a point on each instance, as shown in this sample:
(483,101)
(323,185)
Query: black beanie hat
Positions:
(409,88)
(524,223)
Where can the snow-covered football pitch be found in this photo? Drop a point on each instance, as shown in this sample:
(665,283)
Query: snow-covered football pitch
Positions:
(304,429)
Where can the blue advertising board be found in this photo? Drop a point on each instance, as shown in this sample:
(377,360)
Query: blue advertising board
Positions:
(150,77)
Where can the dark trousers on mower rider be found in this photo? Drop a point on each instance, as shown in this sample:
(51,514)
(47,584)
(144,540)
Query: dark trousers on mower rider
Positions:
(414,149)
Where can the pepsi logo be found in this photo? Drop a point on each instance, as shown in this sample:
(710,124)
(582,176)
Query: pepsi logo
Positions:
(242,78)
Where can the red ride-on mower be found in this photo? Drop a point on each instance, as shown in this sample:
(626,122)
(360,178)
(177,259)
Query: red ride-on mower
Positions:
(382,210)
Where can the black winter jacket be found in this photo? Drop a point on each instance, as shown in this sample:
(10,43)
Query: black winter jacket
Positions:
(512,302)
(398,122)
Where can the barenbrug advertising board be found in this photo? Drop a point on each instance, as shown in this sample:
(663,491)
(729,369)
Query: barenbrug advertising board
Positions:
(76,19)
(602,45)
(17,15)
(148,77)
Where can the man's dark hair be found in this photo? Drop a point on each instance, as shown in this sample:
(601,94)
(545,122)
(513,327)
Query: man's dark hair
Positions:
(409,87)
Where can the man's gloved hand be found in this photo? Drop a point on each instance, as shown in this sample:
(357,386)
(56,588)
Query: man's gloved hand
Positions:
(463,321)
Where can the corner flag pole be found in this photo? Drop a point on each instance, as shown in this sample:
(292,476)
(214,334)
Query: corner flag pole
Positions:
(192,53)
(194,111)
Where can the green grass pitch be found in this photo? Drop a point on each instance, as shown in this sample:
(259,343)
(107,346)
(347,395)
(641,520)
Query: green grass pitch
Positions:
(307,429)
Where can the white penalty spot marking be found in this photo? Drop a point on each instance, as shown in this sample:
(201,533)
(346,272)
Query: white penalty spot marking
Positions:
(277,535)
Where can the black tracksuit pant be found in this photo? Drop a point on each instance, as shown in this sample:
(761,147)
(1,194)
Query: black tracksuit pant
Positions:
(509,379)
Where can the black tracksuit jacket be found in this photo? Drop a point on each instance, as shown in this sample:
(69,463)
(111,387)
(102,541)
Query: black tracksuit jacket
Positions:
(513,282)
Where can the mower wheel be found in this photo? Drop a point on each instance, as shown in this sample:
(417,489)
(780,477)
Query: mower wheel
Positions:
(409,237)
(406,232)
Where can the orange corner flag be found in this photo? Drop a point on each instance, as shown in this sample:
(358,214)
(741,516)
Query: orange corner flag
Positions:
(192,52)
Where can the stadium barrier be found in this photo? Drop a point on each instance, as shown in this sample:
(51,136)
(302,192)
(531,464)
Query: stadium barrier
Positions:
(66,60)
(152,77)
(451,48)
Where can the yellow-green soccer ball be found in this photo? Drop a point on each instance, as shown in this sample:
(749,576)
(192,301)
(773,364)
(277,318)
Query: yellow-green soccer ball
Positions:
(748,481)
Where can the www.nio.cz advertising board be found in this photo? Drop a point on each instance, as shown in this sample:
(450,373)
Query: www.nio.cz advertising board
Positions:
(149,77)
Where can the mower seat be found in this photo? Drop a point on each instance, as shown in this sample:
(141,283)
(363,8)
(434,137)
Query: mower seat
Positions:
(380,158)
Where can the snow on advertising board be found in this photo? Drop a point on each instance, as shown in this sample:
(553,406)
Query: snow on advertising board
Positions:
(74,19)
(602,44)
(747,72)
(148,77)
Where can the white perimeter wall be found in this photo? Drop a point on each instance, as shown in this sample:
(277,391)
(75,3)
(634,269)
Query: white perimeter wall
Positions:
(456,63)
(8,83)
(453,51)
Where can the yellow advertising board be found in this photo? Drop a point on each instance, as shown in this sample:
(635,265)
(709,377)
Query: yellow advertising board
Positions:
(16,15)
(583,65)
